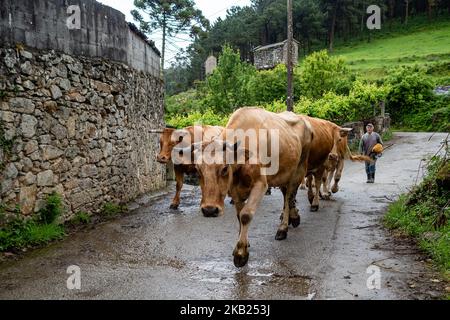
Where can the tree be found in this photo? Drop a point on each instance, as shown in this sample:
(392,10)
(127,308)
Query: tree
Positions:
(172,17)
(227,86)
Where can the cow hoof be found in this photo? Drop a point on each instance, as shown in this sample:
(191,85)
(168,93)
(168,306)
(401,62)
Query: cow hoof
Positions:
(295,221)
(326,197)
(240,261)
(281,235)
(314,208)
(310,199)
(174,206)
(335,189)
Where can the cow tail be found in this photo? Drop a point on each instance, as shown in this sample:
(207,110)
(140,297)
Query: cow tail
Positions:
(355,158)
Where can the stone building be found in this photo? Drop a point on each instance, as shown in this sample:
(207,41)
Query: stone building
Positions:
(210,65)
(77,107)
(268,57)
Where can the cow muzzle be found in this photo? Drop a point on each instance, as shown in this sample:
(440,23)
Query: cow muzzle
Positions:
(162,159)
(333,157)
(211,212)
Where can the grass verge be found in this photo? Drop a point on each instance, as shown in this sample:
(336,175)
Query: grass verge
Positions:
(424,214)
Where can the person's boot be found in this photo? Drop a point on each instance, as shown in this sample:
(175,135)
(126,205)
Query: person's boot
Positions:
(369,176)
(372,178)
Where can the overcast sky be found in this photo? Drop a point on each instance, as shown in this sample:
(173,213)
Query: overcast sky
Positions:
(212,9)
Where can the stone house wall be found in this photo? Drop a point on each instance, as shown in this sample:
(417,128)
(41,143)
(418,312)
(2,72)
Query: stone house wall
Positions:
(78,126)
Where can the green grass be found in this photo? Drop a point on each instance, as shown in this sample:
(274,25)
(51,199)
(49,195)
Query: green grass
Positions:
(18,233)
(424,215)
(425,44)
(111,209)
(81,218)
(434,241)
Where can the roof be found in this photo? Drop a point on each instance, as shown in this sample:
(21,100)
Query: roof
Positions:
(273,45)
(142,35)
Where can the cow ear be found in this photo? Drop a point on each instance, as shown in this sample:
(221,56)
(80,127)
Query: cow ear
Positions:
(344,132)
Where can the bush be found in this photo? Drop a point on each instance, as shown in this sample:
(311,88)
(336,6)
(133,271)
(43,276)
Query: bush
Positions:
(52,210)
(183,103)
(227,87)
(322,73)
(364,97)
(209,117)
(81,218)
(331,106)
(267,86)
(411,91)
(111,209)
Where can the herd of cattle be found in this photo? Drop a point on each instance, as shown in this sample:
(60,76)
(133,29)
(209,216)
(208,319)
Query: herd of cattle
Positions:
(311,151)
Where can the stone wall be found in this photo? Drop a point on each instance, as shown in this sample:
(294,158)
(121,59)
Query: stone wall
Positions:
(100,31)
(268,57)
(78,126)
(382,124)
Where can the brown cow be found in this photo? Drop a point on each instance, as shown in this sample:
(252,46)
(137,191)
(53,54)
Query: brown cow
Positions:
(171,138)
(247,181)
(324,147)
(334,168)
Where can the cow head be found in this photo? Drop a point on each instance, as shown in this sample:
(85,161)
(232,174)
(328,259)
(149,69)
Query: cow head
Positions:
(340,135)
(167,141)
(214,161)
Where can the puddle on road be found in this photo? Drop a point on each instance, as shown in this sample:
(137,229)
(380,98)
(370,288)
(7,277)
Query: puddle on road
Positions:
(251,282)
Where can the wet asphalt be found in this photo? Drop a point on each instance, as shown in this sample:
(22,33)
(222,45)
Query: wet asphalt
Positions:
(158,253)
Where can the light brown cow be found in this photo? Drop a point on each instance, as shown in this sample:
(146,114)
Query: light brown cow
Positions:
(246,182)
(334,168)
(170,138)
(324,147)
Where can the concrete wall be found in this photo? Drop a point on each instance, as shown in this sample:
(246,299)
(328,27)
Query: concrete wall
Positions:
(103,31)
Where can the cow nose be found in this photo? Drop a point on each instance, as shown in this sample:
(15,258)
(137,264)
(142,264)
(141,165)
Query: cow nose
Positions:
(162,159)
(332,156)
(210,212)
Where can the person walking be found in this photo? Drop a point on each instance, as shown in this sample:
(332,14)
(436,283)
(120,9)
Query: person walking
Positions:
(371,145)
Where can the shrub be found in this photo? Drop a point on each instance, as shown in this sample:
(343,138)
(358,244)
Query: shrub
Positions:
(52,210)
(209,117)
(331,107)
(322,73)
(81,218)
(183,103)
(410,92)
(19,233)
(227,87)
(111,209)
(364,97)
(268,85)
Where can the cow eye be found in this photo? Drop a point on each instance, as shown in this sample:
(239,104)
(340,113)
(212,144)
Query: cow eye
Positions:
(224,171)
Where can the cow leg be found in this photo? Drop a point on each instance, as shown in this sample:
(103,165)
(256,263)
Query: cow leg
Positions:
(318,178)
(337,176)
(310,190)
(326,193)
(179,176)
(246,214)
(294,217)
(303,184)
(289,202)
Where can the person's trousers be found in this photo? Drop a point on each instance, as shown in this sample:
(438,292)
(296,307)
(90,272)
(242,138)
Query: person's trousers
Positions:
(370,166)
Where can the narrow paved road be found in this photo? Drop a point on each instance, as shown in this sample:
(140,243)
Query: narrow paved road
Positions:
(156,253)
